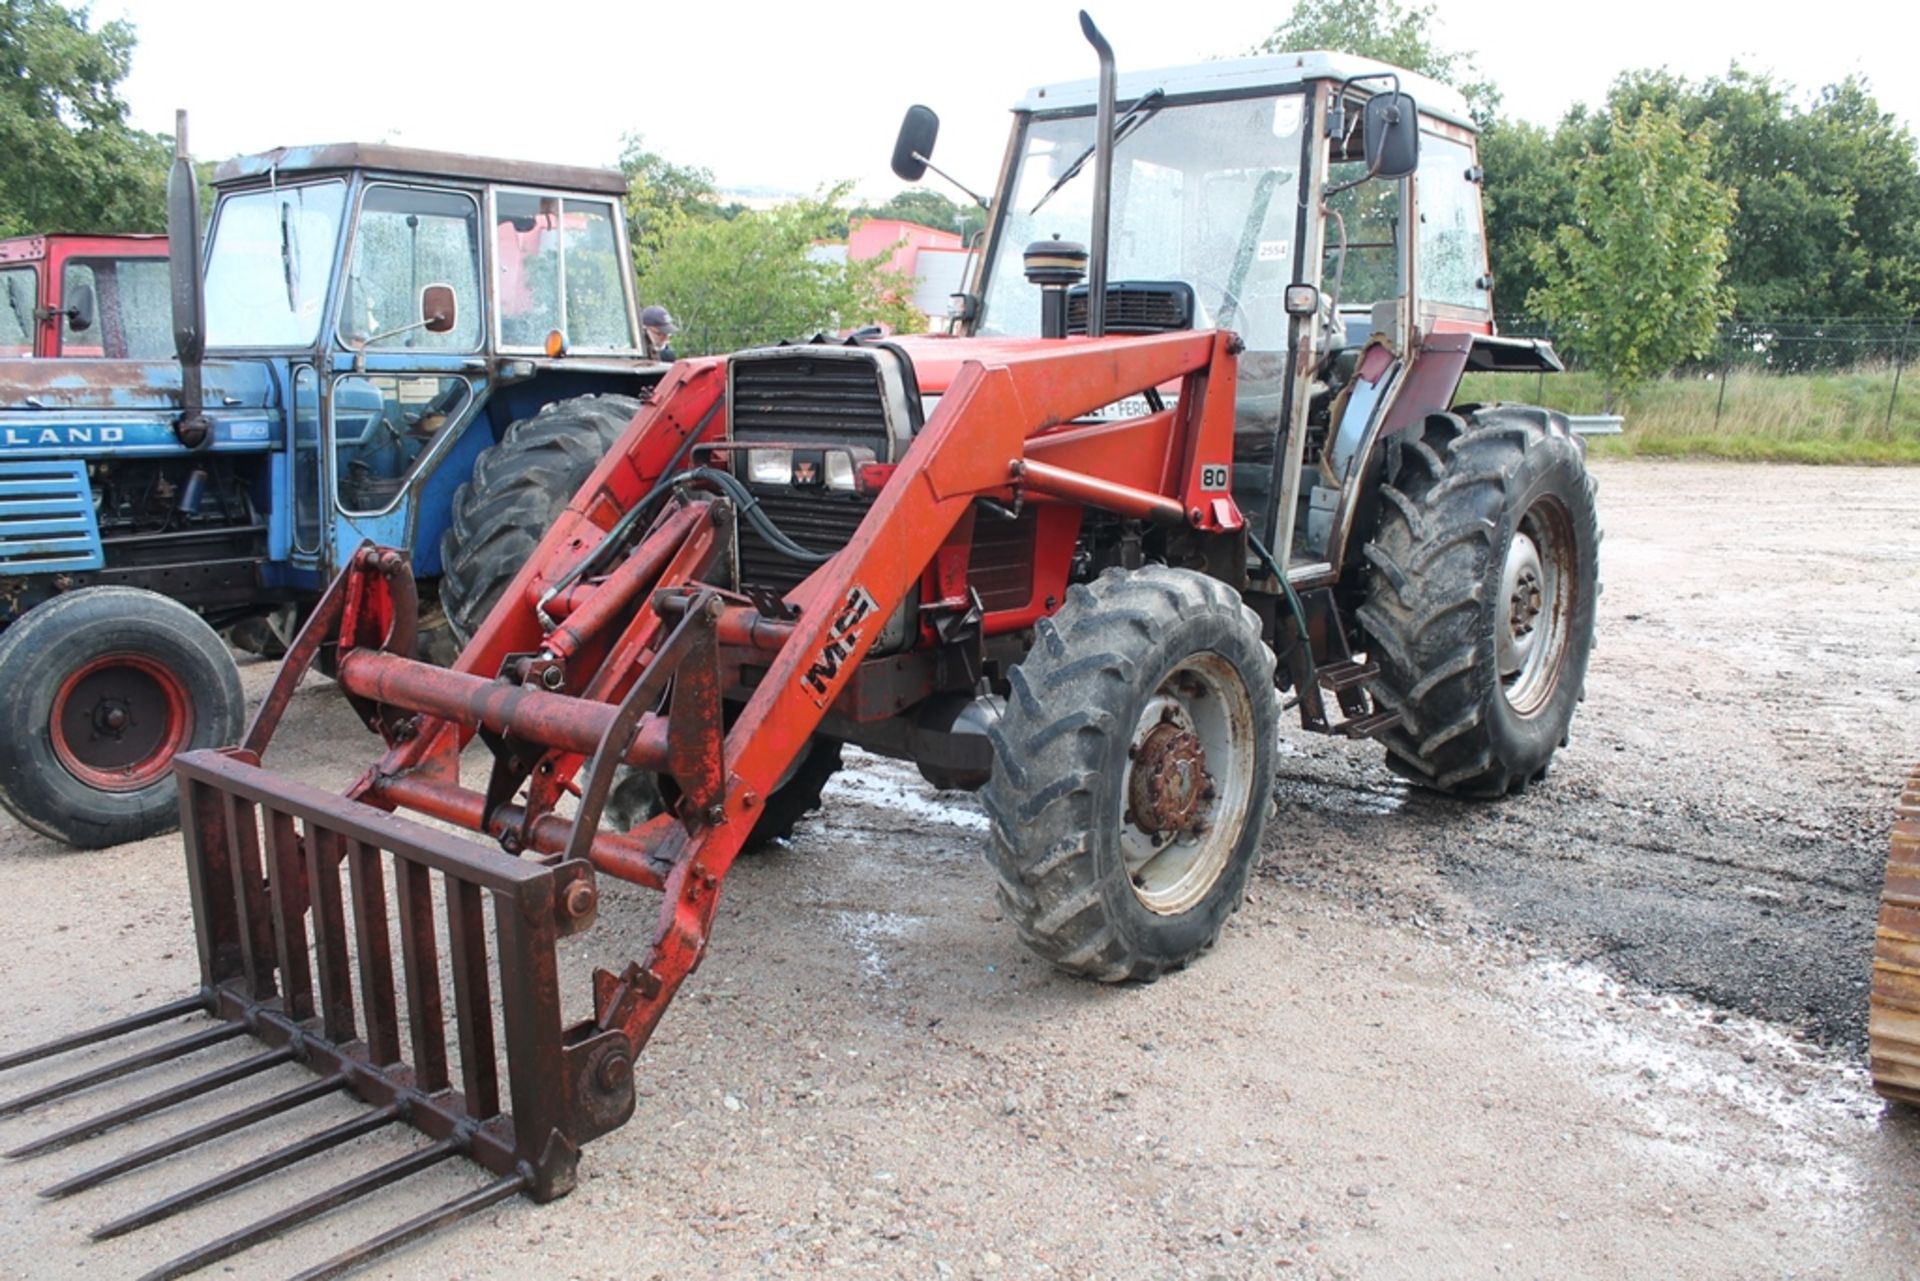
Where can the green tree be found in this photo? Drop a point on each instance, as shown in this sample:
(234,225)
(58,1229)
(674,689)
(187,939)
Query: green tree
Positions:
(1528,196)
(70,161)
(756,278)
(659,191)
(1829,221)
(1633,283)
(1392,31)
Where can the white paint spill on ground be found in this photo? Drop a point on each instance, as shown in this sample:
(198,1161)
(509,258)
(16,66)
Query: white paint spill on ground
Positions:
(873,936)
(1713,1090)
(897,786)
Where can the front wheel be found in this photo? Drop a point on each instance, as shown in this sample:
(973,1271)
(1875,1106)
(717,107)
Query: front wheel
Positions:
(100,689)
(1133,771)
(1481,587)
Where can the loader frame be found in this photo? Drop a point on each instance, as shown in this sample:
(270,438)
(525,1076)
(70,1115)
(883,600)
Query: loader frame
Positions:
(618,644)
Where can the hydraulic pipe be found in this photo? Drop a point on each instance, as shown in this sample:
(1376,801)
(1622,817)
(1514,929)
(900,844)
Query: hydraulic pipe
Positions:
(555,721)
(1079,487)
(626,856)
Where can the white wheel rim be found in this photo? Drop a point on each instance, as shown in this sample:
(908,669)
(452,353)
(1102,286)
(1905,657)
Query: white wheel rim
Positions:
(1187,785)
(1537,584)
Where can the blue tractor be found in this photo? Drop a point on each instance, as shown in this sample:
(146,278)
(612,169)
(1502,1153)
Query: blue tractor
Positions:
(424,350)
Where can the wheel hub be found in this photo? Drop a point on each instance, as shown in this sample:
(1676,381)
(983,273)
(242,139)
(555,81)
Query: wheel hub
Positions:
(118,720)
(1169,783)
(1523,591)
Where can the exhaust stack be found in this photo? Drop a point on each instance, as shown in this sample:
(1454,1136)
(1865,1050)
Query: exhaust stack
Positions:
(1102,181)
(189,299)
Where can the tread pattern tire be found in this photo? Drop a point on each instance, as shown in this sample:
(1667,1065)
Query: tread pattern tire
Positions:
(1055,800)
(519,486)
(1455,493)
(59,637)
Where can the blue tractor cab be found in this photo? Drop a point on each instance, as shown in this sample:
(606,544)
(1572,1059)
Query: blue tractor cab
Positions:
(424,350)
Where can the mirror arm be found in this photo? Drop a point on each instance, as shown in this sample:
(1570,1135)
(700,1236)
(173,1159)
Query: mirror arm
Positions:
(360,348)
(962,187)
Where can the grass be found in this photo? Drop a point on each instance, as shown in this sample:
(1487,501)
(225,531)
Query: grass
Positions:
(1797,418)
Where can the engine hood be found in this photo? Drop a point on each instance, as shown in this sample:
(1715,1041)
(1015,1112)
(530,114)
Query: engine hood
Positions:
(57,384)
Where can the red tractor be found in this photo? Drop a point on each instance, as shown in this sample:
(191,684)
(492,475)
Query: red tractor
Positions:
(1081,555)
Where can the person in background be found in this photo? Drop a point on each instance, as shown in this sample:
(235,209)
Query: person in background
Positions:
(658,323)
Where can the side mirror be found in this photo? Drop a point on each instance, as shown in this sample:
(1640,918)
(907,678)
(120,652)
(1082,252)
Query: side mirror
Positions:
(914,147)
(1390,135)
(82,309)
(438,308)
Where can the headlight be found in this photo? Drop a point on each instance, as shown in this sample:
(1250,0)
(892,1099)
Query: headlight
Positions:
(770,466)
(840,471)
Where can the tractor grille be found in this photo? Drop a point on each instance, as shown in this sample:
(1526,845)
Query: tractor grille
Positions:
(818,522)
(1001,566)
(46,519)
(1137,307)
(810,400)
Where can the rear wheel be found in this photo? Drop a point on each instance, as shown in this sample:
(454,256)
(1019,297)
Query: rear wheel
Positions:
(1481,587)
(1133,771)
(100,689)
(518,489)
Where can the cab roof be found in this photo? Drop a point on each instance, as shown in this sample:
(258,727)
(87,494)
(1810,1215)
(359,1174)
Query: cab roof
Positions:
(289,162)
(1231,75)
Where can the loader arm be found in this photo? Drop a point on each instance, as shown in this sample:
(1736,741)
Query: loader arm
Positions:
(609,648)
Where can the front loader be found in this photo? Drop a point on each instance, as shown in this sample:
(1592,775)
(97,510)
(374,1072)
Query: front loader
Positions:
(1072,557)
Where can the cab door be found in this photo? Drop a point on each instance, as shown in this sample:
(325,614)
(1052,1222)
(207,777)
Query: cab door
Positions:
(401,393)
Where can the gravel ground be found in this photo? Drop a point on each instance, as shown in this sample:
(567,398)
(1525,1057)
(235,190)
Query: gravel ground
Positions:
(1610,1028)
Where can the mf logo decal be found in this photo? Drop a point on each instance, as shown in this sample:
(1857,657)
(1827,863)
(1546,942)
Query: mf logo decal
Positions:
(1213,476)
(856,613)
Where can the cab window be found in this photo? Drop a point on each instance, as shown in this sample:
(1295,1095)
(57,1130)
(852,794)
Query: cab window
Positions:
(133,308)
(17,289)
(408,238)
(559,269)
(1452,247)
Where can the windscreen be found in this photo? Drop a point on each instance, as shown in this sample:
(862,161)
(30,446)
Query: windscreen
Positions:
(1207,193)
(270,263)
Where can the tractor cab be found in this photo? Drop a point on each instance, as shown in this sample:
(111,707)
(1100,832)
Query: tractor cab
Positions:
(99,296)
(403,290)
(1324,207)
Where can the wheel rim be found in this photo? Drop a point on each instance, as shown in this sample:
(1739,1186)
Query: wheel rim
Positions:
(1189,781)
(118,721)
(1536,607)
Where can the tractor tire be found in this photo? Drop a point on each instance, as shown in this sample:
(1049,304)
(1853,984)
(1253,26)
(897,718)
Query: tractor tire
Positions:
(636,797)
(100,688)
(1481,584)
(518,489)
(1133,773)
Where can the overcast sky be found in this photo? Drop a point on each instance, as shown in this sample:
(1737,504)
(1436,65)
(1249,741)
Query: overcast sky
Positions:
(792,96)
